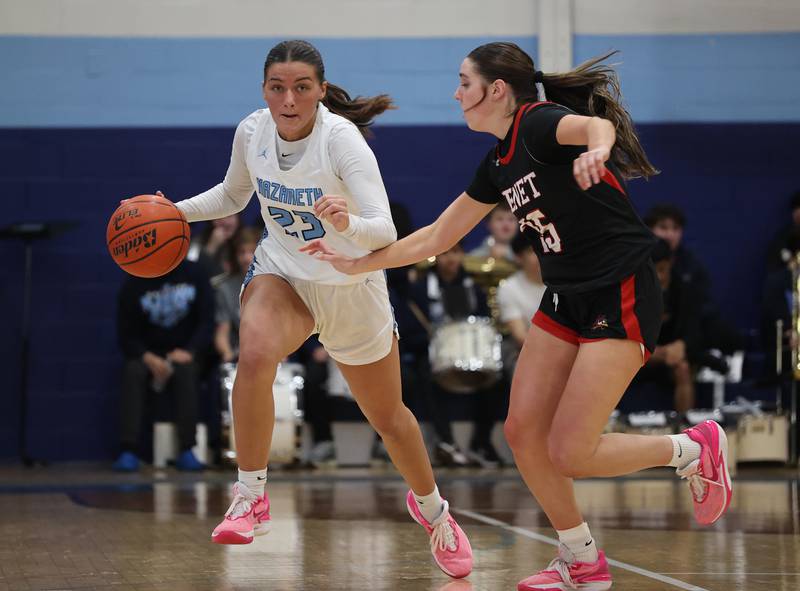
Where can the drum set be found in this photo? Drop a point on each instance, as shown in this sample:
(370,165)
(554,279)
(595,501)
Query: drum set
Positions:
(466,355)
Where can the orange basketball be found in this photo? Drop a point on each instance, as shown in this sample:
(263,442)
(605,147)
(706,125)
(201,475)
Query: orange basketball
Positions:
(148,236)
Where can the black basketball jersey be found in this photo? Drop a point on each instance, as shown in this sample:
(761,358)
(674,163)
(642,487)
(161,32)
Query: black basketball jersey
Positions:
(584,239)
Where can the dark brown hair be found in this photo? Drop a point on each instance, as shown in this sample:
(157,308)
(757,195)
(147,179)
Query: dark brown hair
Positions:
(664,211)
(591,89)
(244,235)
(360,110)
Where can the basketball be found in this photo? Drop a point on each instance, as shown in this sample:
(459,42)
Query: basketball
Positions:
(147,236)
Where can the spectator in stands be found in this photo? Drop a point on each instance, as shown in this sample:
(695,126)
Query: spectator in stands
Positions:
(777,305)
(782,246)
(212,249)
(227,289)
(679,340)
(163,324)
(502,226)
(518,300)
(667,221)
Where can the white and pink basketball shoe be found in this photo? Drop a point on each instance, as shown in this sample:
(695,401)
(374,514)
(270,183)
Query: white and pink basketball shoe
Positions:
(708,476)
(247,516)
(564,573)
(449,544)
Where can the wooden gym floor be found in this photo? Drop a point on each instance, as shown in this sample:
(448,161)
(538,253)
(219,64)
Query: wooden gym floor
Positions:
(82,527)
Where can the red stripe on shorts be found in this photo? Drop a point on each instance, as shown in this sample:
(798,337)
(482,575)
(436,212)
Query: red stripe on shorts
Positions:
(629,319)
(552,327)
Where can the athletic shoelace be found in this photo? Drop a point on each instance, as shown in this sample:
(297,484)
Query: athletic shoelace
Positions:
(561,563)
(697,483)
(242,502)
(443,537)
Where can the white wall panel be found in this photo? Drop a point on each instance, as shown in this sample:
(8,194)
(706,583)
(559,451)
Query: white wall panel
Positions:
(658,17)
(268,18)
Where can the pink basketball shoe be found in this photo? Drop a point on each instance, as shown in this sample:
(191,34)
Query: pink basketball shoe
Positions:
(708,476)
(449,544)
(564,573)
(248,515)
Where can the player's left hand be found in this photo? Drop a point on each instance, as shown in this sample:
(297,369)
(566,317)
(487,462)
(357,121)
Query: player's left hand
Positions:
(590,167)
(342,263)
(333,209)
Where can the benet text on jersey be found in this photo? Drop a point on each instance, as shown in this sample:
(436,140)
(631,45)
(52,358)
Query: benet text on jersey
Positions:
(521,192)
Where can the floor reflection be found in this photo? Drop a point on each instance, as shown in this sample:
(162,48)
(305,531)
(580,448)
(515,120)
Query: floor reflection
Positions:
(354,533)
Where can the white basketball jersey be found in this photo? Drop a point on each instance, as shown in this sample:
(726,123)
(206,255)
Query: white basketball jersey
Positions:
(287,200)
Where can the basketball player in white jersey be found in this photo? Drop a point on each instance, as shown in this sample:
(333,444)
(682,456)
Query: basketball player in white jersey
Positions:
(307,148)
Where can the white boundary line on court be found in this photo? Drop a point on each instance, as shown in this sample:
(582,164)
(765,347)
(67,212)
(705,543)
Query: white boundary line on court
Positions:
(553,542)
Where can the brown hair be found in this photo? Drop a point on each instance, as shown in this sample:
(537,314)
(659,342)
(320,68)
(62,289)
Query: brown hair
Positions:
(590,89)
(360,110)
(244,235)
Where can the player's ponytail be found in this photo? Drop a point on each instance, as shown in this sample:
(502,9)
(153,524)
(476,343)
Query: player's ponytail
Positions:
(360,110)
(590,89)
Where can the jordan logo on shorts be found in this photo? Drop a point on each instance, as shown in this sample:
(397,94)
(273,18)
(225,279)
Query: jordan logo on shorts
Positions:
(600,322)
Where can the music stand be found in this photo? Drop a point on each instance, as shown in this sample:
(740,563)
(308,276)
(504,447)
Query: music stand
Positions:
(28,232)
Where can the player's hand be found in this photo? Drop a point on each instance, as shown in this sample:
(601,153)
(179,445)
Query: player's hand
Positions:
(590,167)
(319,250)
(159,193)
(333,209)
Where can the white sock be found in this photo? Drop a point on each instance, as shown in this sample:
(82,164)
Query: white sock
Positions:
(684,450)
(430,505)
(580,542)
(254,480)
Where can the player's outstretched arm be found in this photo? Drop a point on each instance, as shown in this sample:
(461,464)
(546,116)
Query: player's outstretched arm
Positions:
(451,226)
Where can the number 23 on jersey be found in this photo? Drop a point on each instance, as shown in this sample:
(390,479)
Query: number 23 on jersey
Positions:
(311,228)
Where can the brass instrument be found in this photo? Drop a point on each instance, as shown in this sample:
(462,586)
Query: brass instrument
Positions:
(488,272)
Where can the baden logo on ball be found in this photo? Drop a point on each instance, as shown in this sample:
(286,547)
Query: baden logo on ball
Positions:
(147,236)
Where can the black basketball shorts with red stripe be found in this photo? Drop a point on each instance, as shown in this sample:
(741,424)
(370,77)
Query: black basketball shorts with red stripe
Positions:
(631,309)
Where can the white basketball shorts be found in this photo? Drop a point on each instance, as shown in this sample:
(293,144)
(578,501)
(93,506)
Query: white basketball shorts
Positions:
(355,322)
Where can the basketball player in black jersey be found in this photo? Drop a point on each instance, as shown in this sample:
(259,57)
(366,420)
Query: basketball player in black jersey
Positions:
(561,163)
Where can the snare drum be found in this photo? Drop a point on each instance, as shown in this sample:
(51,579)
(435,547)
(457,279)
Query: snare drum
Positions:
(288,417)
(465,355)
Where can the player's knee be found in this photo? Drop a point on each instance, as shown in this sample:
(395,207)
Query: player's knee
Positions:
(257,357)
(390,423)
(521,437)
(567,458)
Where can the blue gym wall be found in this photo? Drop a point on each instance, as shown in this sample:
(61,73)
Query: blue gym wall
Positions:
(87,120)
